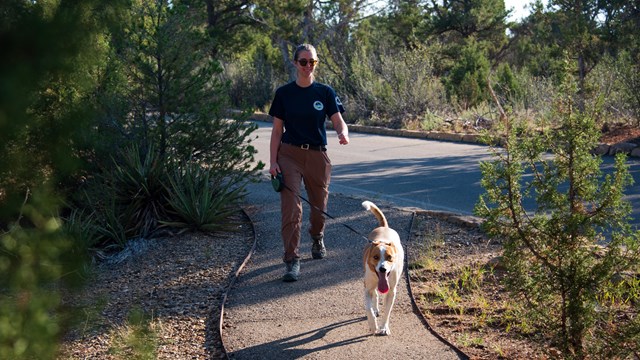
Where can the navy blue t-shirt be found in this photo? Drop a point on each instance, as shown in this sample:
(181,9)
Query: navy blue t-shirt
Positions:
(304,112)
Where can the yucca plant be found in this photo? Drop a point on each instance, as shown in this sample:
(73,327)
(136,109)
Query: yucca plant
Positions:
(81,226)
(138,185)
(111,229)
(200,199)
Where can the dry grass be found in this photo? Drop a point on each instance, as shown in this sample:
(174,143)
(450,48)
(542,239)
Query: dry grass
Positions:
(455,277)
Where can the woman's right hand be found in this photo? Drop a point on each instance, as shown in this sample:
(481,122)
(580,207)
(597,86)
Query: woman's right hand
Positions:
(274,169)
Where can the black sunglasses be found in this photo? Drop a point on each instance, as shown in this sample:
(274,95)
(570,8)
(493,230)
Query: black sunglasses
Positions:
(303,62)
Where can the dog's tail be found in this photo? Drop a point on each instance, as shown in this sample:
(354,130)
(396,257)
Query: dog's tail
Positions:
(379,215)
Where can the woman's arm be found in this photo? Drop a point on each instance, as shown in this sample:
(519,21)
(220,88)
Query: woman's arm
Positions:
(274,146)
(341,128)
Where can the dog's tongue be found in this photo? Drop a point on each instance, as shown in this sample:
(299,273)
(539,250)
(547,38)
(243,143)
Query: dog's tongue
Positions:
(383,284)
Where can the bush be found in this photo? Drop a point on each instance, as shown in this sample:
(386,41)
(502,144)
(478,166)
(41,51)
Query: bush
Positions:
(252,82)
(139,196)
(166,103)
(126,200)
(508,87)
(618,82)
(36,257)
(552,251)
(398,87)
(467,79)
(200,199)
(49,52)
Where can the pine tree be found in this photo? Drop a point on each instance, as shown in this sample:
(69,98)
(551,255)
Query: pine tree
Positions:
(573,286)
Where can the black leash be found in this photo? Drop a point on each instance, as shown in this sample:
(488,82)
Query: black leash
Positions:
(278,185)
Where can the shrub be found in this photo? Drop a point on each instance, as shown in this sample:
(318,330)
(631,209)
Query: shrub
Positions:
(138,185)
(252,80)
(36,255)
(508,88)
(125,200)
(200,199)
(397,86)
(618,82)
(552,251)
(467,79)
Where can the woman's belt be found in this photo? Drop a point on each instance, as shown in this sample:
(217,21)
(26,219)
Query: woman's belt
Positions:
(308,146)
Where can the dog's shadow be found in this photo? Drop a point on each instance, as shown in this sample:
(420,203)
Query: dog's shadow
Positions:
(289,347)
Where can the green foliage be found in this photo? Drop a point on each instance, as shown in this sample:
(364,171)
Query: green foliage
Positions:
(163,101)
(136,185)
(407,22)
(508,87)
(230,24)
(178,102)
(49,49)
(536,48)
(459,21)
(552,251)
(618,80)
(460,40)
(580,28)
(396,87)
(535,95)
(252,77)
(467,80)
(138,195)
(46,78)
(36,257)
(201,199)
(125,200)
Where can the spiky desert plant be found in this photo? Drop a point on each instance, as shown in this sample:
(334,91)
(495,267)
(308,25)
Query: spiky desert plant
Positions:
(200,198)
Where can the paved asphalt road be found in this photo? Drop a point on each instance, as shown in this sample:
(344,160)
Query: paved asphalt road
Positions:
(427,174)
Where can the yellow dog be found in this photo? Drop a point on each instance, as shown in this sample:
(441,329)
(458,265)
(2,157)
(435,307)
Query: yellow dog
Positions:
(383,265)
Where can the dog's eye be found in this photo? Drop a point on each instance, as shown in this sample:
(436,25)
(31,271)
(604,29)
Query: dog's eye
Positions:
(376,257)
(389,258)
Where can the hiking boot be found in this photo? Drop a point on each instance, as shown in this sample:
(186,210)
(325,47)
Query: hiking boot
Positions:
(293,270)
(318,251)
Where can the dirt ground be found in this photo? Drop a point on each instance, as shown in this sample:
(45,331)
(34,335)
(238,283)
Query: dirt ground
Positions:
(160,297)
(455,275)
(621,133)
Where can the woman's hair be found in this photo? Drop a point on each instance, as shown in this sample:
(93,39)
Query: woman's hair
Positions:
(303,47)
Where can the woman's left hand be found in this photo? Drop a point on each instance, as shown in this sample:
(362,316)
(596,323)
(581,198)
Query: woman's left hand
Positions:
(343,138)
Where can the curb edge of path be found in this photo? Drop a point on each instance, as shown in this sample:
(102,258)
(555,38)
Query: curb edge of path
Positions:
(235,277)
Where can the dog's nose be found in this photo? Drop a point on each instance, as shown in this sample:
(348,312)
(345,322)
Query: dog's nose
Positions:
(383,269)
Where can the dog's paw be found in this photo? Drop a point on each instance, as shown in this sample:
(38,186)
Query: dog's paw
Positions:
(383,332)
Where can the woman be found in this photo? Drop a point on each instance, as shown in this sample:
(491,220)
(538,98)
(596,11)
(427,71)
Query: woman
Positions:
(297,150)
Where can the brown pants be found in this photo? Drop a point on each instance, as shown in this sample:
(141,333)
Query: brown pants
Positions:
(314,168)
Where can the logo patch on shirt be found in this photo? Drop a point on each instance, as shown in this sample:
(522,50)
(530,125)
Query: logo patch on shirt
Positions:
(338,101)
(318,105)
